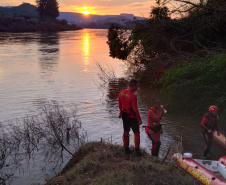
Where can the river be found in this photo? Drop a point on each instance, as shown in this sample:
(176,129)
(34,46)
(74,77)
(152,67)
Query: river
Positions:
(63,67)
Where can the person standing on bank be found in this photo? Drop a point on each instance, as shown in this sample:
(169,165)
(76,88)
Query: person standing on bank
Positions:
(127,102)
(154,128)
(209,124)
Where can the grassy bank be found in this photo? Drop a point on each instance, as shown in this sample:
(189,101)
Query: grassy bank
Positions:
(197,85)
(18,24)
(99,163)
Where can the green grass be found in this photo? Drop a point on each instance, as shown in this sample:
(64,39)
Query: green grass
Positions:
(197,85)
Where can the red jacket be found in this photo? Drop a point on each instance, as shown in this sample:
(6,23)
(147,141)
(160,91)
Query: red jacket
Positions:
(127,102)
(209,122)
(154,118)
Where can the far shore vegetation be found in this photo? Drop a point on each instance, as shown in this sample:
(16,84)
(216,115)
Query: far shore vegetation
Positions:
(181,51)
(17,24)
(30,18)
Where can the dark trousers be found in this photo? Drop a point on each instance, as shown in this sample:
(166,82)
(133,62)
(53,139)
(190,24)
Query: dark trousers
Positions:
(127,124)
(208,138)
(156,143)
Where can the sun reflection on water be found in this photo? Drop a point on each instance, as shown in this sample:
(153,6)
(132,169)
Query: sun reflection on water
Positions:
(86,44)
(1,73)
(86,50)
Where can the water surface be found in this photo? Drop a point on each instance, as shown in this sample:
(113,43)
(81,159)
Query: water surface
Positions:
(62,67)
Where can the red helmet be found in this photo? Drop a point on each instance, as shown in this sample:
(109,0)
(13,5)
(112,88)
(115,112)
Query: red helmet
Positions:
(213,108)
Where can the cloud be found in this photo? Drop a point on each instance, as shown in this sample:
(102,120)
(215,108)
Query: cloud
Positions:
(137,8)
(103,2)
(102,7)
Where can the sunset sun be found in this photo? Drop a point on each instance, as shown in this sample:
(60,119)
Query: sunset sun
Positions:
(86,10)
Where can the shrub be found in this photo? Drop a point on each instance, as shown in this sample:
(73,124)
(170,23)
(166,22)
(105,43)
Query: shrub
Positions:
(197,85)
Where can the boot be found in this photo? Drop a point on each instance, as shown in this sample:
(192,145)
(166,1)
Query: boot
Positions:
(138,153)
(127,150)
(155,155)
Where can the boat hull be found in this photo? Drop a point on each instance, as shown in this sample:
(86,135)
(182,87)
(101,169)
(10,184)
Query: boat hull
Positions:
(220,139)
(198,171)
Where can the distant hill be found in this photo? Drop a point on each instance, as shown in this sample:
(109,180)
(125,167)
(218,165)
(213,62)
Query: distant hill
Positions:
(28,11)
(25,10)
(78,17)
(98,21)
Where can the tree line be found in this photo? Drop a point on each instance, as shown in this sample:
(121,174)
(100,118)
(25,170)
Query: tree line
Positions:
(30,18)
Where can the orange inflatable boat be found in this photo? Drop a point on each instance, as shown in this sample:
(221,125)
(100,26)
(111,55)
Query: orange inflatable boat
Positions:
(208,172)
(221,139)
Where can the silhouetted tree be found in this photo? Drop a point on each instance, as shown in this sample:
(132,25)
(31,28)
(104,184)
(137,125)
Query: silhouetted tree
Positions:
(159,12)
(47,9)
(118,46)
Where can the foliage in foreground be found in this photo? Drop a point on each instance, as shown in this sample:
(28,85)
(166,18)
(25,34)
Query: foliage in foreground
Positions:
(163,41)
(197,33)
(51,134)
(98,164)
(197,85)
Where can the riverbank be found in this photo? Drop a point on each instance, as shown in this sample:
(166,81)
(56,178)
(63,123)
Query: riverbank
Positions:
(100,163)
(18,24)
(184,57)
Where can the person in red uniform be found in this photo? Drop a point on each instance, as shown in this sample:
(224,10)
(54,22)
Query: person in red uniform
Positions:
(209,124)
(154,128)
(127,102)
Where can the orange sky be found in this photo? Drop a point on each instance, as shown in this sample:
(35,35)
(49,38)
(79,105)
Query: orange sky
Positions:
(140,8)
